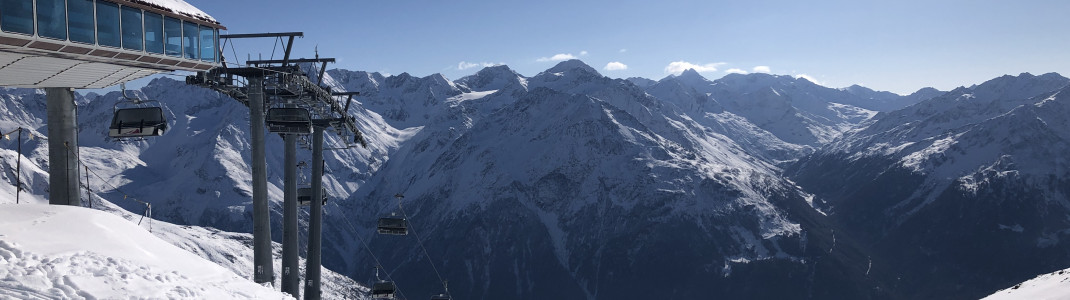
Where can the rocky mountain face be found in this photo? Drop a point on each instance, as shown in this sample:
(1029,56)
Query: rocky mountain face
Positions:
(961,194)
(572,185)
(776,118)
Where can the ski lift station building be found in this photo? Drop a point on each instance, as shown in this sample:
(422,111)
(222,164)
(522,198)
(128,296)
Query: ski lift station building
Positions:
(101,43)
(62,45)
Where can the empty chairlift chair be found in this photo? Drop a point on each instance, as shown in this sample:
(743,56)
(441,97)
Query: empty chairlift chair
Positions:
(383,289)
(289,120)
(304,196)
(137,122)
(393,225)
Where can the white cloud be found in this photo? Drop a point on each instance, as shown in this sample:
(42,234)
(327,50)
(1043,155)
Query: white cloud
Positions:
(762,69)
(464,65)
(678,67)
(735,71)
(615,66)
(810,78)
(557,57)
(583,53)
(623,50)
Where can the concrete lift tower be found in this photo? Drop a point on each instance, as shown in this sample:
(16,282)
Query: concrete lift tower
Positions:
(62,45)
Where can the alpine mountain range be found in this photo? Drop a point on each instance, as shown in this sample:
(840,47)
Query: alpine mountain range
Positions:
(572,185)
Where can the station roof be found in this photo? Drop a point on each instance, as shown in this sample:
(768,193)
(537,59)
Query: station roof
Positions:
(177,7)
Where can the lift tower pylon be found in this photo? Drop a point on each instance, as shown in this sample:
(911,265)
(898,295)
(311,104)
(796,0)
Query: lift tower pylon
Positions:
(284,86)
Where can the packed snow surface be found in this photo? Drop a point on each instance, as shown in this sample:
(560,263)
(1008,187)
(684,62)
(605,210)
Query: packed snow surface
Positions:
(64,252)
(1054,285)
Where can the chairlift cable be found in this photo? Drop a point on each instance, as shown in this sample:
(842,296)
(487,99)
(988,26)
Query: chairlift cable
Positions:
(378,264)
(420,242)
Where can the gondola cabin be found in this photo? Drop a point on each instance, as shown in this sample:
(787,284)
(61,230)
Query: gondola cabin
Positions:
(137,122)
(393,226)
(384,290)
(289,120)
(304,196)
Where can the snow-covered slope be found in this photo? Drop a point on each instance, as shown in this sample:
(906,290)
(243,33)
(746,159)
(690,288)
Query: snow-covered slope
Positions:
(794,110)
(978,170)
(683,93)
(1049,286)
(198,172)
(492,79)
(572,185)
(402,100)
(775,118)
(578,186)
(62,252)
(184,174)
(886,101)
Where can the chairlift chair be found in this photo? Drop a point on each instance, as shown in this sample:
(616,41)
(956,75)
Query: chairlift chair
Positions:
(304,196)
(288,120)
(137,122)
(383,289)
(393,226)
(441,297)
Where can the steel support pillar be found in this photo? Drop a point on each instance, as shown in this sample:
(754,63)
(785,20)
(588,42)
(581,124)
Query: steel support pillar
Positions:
(291,279)
(262,254)
(313,264)
(62,147)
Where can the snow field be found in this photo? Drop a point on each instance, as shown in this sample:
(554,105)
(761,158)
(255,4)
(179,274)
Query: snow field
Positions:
(62,252)
(1054,285)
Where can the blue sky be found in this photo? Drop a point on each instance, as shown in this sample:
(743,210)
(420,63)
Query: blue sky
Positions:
(899,46)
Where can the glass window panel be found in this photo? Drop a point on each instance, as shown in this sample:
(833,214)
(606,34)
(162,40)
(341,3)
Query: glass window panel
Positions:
(52,19)
(81,21)
(133,34)
(153,33)
(189,40)
(172,34)
(108,24)
(208,48)
(16,16)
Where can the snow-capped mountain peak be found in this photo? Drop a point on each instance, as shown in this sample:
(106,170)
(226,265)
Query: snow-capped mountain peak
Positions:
(642,83)
(868,93)
(493,78)
(572,66)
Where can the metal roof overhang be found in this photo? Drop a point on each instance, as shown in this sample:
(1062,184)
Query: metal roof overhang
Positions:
(36,62)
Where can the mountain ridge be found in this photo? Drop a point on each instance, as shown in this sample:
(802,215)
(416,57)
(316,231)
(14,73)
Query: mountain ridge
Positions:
(583,182)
